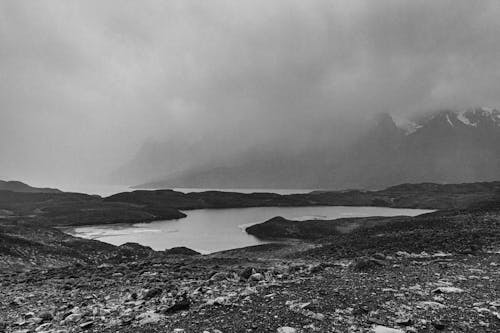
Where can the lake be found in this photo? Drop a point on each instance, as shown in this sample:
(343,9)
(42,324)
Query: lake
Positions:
(211,230)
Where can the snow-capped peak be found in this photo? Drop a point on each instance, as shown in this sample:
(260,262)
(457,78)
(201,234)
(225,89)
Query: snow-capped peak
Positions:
(464,119)
(481,115)
(449,121)
(407,126)
(473,117)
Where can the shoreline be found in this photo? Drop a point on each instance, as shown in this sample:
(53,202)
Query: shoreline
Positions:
(138,232)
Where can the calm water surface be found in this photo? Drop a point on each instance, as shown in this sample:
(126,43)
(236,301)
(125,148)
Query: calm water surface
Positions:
(211,230)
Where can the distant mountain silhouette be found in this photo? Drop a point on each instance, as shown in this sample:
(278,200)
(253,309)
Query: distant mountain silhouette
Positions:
(446,146)
(16,186)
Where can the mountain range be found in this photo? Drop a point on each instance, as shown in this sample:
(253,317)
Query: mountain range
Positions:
(17,186)
(446,146)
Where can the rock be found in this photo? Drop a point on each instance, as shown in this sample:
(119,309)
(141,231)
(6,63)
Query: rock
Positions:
(248,291)
(43,327)
(86,325)
(18,301)
(385,329)
(447,290)
(221,301)
(219,276)
(375,321)
(495,303)
(45,316)
(180,305)
(28,315)
(404,322)
(149,317)
(151,293)
(379,256)
(73,318)
(36,320)
(366,264)
(439,325)
(315,315)
(360,310)
(431,305)
(256,277)
(303,309)
(286,329)
(314,269)
(246,273)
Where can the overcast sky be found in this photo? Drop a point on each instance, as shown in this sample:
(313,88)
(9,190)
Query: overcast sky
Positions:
(83,84)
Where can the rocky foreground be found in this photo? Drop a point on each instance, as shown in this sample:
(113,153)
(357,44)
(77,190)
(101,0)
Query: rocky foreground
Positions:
(402,292)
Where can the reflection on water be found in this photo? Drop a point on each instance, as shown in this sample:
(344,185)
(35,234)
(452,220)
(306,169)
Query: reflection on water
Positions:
(211,230)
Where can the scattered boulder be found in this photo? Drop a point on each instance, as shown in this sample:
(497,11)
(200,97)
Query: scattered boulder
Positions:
(379,256)
(149,317)
(246,273)
(404,322)
(439,325)
(45,316)
(366,264)
(86,325)
(385,329)
(73,318)
(151,293)
(431,305)
(43,327)
(183,304)
(248,291)
(447,290)
(219,276)
(256,277)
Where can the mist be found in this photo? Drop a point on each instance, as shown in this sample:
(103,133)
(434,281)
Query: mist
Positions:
(84,85)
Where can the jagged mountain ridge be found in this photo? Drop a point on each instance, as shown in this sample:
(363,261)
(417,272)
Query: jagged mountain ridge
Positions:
(446,146)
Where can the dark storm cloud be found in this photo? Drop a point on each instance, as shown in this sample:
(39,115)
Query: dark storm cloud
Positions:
(84,84)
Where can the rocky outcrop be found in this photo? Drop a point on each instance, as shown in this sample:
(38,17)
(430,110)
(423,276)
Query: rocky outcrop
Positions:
(182,251)
(279,227)
(71,209)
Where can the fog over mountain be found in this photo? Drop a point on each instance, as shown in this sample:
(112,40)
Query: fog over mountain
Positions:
(446,146)
(131,92)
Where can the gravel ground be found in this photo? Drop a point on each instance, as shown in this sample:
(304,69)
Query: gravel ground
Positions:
(402,291)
